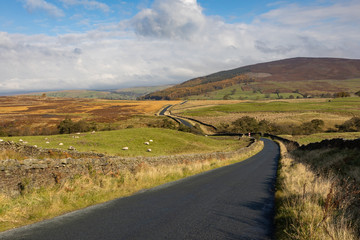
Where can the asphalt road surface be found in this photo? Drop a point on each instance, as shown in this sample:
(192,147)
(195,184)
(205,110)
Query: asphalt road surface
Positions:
(186,123)
(233,202)
(162,113)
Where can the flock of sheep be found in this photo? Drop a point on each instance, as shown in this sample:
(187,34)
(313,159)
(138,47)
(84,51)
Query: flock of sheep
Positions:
(146,143)
(73,148)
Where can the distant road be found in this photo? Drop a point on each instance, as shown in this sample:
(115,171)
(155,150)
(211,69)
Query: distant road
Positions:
(233,202)
(186,123)
(162,113)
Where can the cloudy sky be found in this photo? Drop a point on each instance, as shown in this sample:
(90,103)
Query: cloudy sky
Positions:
(108,44)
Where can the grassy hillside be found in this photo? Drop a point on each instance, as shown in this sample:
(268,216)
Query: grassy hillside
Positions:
(299,77)
(165,142)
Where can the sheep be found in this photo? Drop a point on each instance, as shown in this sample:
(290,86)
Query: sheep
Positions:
(146,143)
(71,148)
(47,142)
(149,150)
(1,140)
(150,140)
(125,148)
(20,140)
(61,144)
(35,146)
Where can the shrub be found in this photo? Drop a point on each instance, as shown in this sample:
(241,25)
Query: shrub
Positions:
(68,126)
(352,125)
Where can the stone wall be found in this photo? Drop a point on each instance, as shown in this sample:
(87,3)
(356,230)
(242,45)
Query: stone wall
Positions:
(40,169)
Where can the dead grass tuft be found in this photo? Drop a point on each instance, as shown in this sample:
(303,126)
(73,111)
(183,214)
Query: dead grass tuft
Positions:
(310,206)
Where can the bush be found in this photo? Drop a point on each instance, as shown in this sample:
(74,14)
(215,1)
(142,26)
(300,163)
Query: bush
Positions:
(68,126)
(352,125)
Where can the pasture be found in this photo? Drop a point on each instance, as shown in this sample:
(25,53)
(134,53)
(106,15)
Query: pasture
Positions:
(296,111)
(164,142)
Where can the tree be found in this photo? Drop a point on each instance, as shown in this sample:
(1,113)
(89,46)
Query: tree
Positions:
(245,124)
(352,125)
(341,94)
(66,126)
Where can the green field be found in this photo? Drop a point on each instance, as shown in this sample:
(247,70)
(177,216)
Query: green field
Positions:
(349,106)
(237,93)
(165,142)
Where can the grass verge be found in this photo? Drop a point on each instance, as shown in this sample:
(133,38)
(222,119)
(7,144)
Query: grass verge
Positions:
(313,205)
(83,191)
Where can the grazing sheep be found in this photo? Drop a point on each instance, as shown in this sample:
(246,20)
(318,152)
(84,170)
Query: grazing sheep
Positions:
(47,142)
(125,148)
(76,137)
(149,150)
(146,143)
(35,146)
(93,132)
(150,140)
(61,144)
(1,140)
(21,140)
(71,148)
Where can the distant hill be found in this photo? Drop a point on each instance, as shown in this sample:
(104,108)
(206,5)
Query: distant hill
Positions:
(118,94)
(294,77)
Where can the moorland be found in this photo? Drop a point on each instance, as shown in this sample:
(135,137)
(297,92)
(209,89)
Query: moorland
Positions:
(302,100)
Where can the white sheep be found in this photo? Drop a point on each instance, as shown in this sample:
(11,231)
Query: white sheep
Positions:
(150,140)
(61,144)
(1,140)
(35,146)
(47,142)
(71,148)
(146,143)
(20,140)
(125,148)
(149,150)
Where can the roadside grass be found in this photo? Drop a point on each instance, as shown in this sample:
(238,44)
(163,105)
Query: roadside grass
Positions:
(97,187)
(315,203)
(318,137)
(165,142)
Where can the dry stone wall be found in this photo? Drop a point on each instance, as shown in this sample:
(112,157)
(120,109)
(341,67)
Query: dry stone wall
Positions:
(16,175)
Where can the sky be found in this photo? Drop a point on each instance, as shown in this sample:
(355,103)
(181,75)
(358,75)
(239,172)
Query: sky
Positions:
(109,44)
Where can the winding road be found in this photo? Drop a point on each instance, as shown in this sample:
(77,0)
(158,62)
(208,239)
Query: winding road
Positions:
(232,202)
(180,120)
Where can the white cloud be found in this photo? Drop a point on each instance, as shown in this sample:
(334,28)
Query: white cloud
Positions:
(88,4)
(161,45)
(51,9)
(170,19)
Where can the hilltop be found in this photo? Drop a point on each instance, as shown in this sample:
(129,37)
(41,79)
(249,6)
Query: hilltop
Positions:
(294,77)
